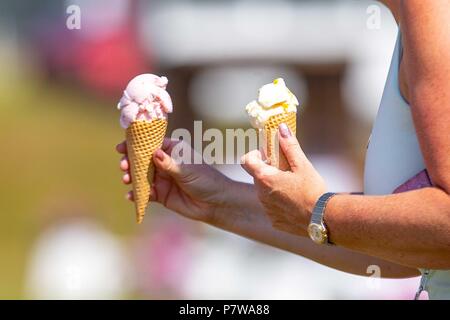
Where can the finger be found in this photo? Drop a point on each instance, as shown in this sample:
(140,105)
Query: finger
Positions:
(130,196)
(126,178)
(168,145)
(251,160)
(255,166)
(290,147)
(166,164)
(124,164)
(122,147)
(160,189)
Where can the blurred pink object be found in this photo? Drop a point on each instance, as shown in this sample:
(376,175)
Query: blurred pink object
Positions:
(145,98)
(105,64)
(164,259)
(420,180)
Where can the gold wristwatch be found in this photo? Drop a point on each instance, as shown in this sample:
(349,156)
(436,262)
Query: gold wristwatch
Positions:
(317,229)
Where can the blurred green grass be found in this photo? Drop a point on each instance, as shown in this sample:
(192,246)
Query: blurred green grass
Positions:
(58,146)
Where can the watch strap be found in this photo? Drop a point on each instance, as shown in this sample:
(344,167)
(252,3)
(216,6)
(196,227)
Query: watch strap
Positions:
(319,209)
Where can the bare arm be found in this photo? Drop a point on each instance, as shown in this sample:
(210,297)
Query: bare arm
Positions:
(411,228)
(201,193)
(244,216)
(415,223)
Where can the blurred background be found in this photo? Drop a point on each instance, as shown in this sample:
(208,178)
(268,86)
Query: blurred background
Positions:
(66,230)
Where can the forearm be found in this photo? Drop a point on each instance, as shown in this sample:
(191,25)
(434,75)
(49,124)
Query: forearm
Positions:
(245,216)
(411,228)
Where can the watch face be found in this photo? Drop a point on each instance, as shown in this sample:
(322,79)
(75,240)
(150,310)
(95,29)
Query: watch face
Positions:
(317,233)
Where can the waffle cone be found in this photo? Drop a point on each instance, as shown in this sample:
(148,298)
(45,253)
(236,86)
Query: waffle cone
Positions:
(143,138)
(273,151)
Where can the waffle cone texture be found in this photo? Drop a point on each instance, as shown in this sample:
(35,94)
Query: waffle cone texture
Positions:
(273,151)
(143,138)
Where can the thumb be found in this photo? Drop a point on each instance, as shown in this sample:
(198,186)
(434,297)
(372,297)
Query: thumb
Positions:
(166,165)
(290,147)
(254,165)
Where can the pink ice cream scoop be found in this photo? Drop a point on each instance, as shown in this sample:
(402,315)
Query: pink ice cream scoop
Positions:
(145,98)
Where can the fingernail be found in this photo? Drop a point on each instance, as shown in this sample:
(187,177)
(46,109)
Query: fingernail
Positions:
(284,130)
(159,154)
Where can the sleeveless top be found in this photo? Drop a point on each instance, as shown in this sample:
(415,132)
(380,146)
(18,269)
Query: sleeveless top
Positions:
(394,162)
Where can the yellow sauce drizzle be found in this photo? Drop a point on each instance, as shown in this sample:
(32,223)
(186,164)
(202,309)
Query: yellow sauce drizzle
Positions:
(283,104)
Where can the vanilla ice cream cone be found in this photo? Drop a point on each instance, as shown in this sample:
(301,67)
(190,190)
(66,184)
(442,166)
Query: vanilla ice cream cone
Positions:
(143,138)
(275,105)
(272,149)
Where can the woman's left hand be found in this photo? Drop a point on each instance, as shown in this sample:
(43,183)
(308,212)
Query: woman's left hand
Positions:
(288,197)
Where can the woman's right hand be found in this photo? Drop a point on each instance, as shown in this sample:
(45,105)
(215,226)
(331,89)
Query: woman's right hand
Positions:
(195,191)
